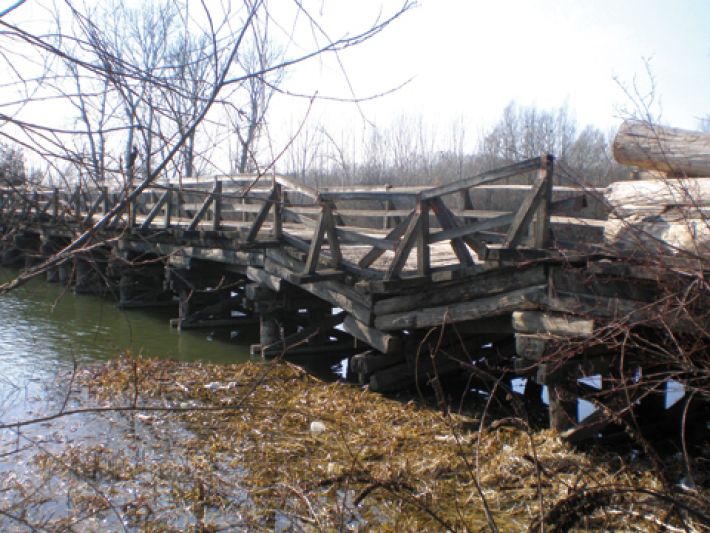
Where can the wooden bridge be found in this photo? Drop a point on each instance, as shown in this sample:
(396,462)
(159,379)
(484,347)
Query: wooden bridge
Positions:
(366,272)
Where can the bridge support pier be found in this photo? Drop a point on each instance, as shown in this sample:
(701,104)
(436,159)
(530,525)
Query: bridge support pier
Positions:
(208,296)
(23,250)
(63,272)
(269,329)
(140,282)
(91,274)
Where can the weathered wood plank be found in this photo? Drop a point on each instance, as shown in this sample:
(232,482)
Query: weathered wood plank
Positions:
(540,230)
(383,342)
(339,294)
(580,281)
(404,248)
(217,205)
(336,256)
(397,232)
(524,215)
(365,195)
(260,218)
(552,324)
(476,227)
(528,298)
(423,252)
(530,347)
(201,213)
(354,237)
(488,283)
(156,209)
(94,208)
(448,221)
(365,364)
(258,275)
(316,244)
(481,179)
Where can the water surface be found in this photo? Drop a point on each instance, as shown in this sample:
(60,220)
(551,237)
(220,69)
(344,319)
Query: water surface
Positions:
(47,329)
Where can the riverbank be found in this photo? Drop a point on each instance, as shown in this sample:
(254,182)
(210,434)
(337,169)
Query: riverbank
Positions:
(192,446)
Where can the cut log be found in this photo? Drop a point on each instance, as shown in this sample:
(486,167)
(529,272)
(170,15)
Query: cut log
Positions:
(672,233)
(654,196)
(660,216)
(677,152)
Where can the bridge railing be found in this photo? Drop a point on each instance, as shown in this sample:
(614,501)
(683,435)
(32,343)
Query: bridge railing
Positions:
(375,224)
(466,230)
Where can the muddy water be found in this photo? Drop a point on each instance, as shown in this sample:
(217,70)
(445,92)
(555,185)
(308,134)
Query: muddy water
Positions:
(45,330)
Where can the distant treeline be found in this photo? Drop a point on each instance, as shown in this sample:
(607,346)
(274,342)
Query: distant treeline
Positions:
(407,153)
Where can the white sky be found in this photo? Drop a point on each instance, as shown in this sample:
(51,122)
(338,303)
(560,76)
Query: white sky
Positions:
(470,58)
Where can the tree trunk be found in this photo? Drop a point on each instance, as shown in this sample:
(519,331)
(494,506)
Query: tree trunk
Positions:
(677,152)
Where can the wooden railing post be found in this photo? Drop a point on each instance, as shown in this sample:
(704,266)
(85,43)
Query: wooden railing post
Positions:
(132,208)
(168,208)
(278,210)
(34,203)
(423,256)
(76,203)
(466,205)
(217,205)
(331,232)
(316,243)
(55,204)
(206,204)
(536,204)
(404,247)
(540,230)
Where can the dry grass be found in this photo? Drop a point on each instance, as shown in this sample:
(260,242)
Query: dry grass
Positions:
(255,452)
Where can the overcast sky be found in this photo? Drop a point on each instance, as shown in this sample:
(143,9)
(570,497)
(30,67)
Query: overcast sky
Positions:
(470,58)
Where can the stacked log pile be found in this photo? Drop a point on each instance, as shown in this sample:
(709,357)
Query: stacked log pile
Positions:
(667,211)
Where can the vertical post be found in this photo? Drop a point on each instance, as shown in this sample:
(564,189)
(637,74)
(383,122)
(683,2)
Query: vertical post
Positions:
(423,257)
(277,209)
(466,205)
(316,242)
(77,202)
(132,208)
(332,232)
(562,407)
(217,205)
(34,202)
(168,209)
(269,329)
(540,230)
(179,205)
(55,204)
(388,206)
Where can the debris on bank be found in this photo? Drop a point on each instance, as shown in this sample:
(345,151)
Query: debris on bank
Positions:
(268,446)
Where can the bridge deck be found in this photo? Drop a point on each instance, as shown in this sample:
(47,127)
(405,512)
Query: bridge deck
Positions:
(389,263)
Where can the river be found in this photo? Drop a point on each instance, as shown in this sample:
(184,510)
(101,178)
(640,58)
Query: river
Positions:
(46,331)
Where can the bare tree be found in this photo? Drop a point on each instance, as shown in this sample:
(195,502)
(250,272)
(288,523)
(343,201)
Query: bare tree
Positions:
(250,119)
